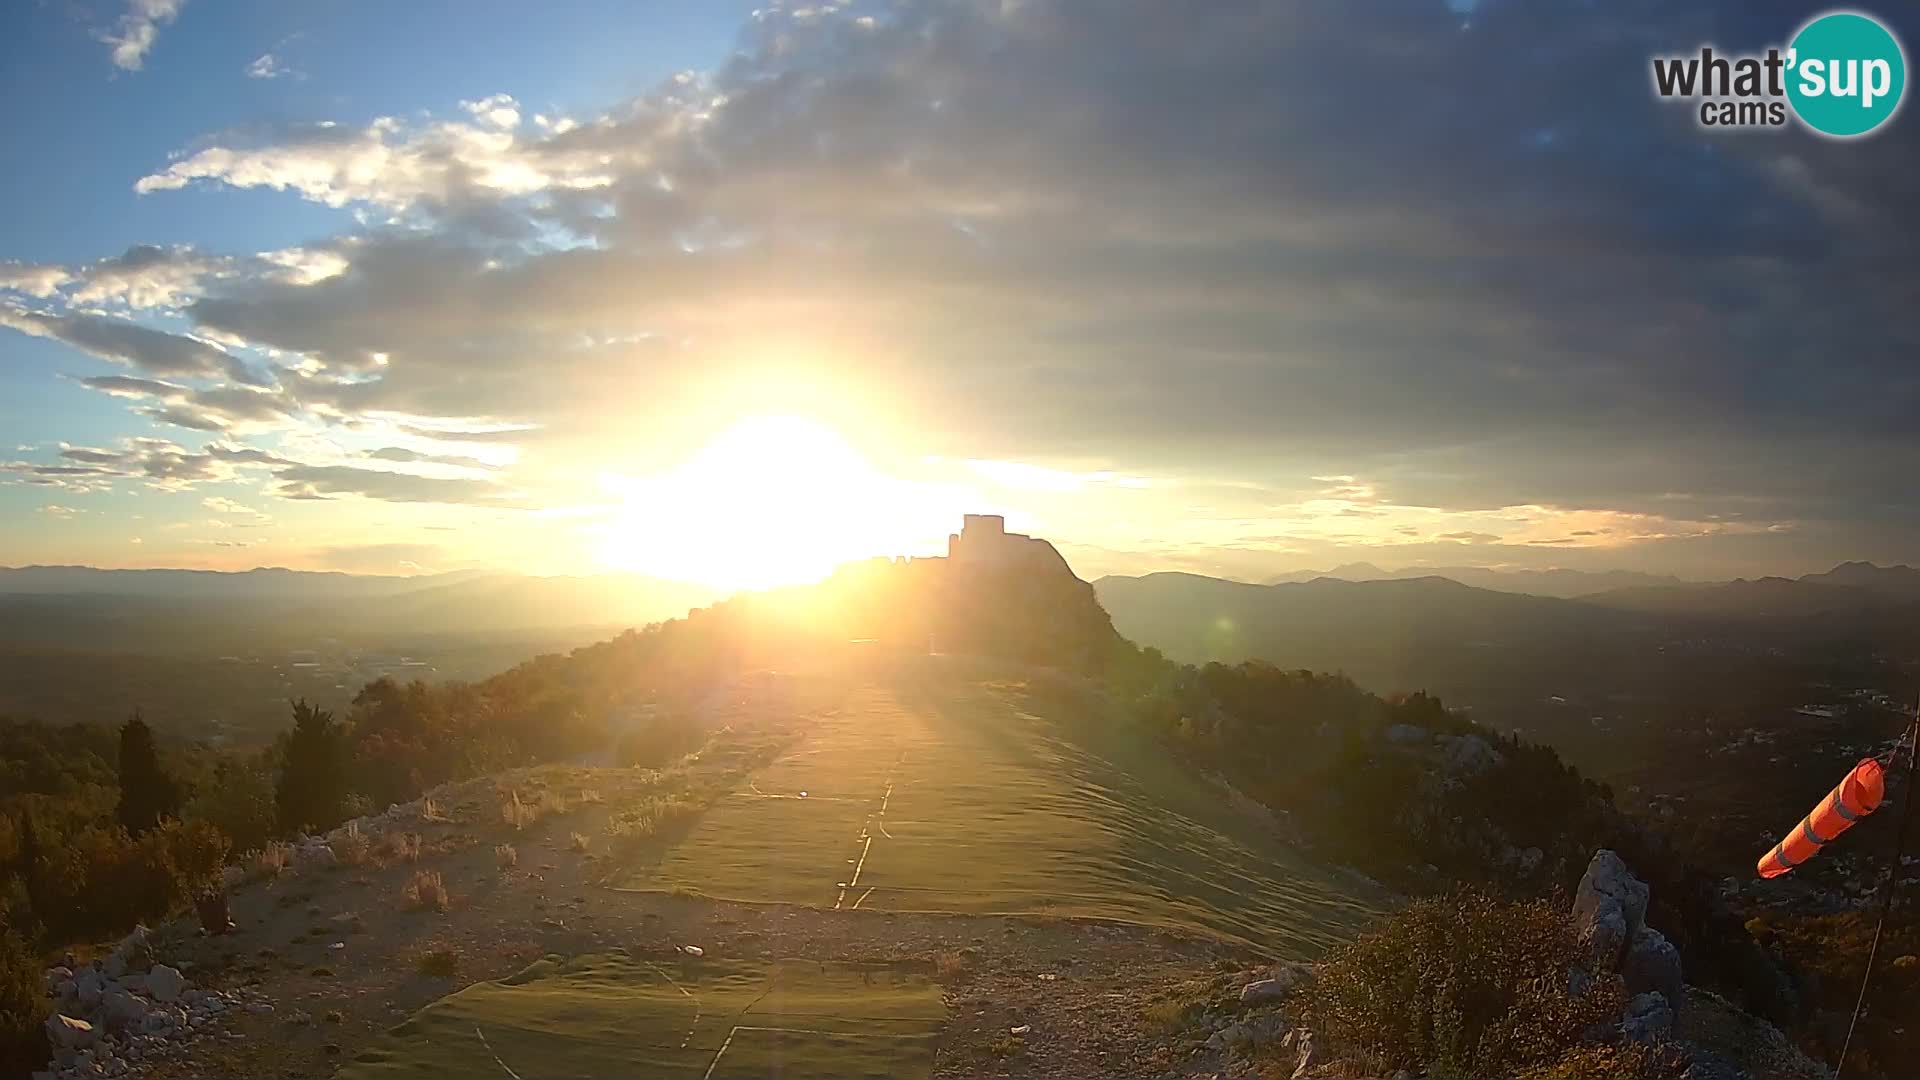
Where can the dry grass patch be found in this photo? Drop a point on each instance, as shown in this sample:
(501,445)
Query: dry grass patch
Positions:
(506,856)
(353,848)
(581,842)
(401,846)
(427,891)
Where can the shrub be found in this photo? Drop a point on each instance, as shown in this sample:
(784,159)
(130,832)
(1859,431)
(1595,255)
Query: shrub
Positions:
(427,892)
(1462,986)
(438,963)
(1628,1061)
(516,813)
(23,1042)
(651,816)
(402,846)
(353,848)
(100,882)
(506,856)
(269,861)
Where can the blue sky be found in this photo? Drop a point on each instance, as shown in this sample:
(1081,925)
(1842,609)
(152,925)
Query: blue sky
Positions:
(1242,289)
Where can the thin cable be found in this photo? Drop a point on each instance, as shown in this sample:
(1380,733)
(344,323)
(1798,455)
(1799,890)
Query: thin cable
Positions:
(1889,890)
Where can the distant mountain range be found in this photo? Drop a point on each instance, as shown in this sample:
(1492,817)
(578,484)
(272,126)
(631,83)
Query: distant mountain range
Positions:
(1482,645)
(1561,583)
(1848,586)
(179,610)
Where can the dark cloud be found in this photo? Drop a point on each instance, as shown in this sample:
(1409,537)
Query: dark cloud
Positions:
(130,343)
(402,454)
(323,481)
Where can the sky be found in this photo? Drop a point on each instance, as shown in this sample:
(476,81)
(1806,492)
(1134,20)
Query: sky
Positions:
(728,293)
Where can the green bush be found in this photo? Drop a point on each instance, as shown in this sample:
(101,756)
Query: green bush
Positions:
(23,1042)
(1462,986)
(99,882)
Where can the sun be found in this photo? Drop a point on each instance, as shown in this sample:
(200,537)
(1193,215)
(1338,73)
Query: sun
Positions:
(771,500)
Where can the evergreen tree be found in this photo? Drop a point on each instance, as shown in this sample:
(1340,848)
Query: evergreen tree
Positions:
(147,793)
(312,789)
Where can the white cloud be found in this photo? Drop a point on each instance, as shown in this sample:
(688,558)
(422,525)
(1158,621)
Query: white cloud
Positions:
(269,66)
(137,31)
(221,505)
(394,165)
(33,279)
(499,111)
(146,276)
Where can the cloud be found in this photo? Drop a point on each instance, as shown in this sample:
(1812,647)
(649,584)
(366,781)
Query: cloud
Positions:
(138,30)
(325,481)
(34,280)
(222,505)
(1487,273)
(269,66)
(402,454)
(124,342)
(147,276)
(158,463)
(57,511)
(394,164)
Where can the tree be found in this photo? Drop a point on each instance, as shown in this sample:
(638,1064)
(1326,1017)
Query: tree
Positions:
(147,793)
(239,800)
(312,789)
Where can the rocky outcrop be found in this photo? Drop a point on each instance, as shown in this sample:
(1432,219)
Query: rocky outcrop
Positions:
(1610,915)
(119,1014)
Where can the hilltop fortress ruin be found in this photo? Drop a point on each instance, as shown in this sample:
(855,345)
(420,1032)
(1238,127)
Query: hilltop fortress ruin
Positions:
(983,540)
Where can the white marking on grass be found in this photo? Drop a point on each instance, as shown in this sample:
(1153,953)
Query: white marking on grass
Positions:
(496,1057)
(691,1028)
(863,897)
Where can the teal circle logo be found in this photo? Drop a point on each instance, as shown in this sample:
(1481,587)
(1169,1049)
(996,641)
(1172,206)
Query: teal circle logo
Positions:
(1846,74)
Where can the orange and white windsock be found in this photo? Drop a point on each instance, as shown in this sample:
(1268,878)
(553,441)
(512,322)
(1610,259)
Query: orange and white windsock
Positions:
(1856,797)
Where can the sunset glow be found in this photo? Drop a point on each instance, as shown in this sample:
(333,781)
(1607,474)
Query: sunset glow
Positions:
(771,500)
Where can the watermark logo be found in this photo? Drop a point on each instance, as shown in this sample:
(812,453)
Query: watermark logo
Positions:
(1842,75)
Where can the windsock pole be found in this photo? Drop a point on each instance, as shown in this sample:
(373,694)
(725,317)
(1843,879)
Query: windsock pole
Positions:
(1889,889)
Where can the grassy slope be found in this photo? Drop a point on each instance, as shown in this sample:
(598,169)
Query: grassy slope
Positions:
(944,791)
(610,1015)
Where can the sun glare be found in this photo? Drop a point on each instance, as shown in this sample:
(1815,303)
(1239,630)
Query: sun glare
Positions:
(772,500)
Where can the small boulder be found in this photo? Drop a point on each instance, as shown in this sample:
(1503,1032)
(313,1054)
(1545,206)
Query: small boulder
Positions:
(133,953)
(87,987)
(1608,876)
(1609,907)
(1648,1018)
(68,1034)
(119,1009)
(1651,963)
(1263,990)
(165,983)
(57,975)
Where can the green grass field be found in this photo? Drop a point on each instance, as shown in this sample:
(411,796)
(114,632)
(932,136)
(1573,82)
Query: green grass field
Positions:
(611,1015)
(946,793)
